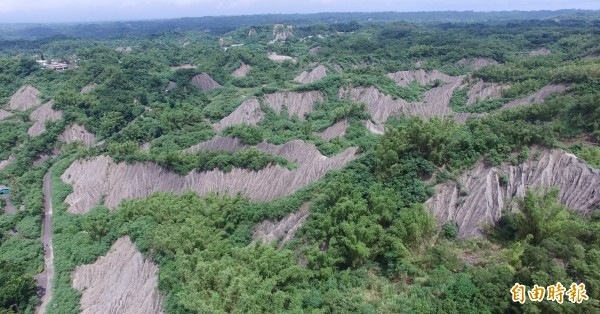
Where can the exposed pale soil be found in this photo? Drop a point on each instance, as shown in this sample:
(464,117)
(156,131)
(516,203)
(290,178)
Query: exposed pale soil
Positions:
(40,116)
(242,71)
(338,129)
(375,128)
(183,66)
(88,88)
(171,86)
(285,229)
(484,91)
(5,163)
(487,196)
(282,32)
(78,133)
(273,56)
(27,97)
(9,209)
(297,104)
(540,52)
(248,112)
(122,282)
(204,82)
(4,114)
(101,177)
(315,50)
(537,97)
(315,74)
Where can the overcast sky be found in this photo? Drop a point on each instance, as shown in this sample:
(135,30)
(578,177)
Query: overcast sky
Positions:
(110,10)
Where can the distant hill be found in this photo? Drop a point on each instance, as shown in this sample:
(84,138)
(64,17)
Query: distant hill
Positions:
(223,24)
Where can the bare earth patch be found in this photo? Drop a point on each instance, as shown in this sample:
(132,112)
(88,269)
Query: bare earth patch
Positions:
(124,49)
(4,114)
(297,104)
(27,97)
(100,177)
(435,101)
(537,97)
(314,75)
(171,85)
(336,130)
(88,88)
(484,91)
(378,129)
(486,196)
(248,112)
(204,82)
(242,71)
(540,52)
(404,78)
(5,163)
(285,229)
(40,116)
(78,133)
(273,56)
(122,282)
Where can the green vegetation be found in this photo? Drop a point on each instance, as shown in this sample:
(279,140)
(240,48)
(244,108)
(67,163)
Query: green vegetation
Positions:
(370,245)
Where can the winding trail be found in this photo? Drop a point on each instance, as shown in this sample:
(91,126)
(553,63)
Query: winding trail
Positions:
(46,277)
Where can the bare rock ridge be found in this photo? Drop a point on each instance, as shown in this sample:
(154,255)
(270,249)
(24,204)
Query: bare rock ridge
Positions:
(381,107)
(435,102)
(486,196)
(537,97)
(122,282)
(4,114)
(204,82)
(314,75)
(27,97)
(248,112)
(338,129)
(296,103)
(100,177)
(78,133)
(404,78)
(40,116)
(285,229)
(242,71)
(273,56)
(484,91)
(88,88)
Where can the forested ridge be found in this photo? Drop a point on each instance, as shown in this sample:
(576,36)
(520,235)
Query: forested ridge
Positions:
(408,106)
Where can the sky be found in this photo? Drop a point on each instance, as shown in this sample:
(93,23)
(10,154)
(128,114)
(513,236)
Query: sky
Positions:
(18,11)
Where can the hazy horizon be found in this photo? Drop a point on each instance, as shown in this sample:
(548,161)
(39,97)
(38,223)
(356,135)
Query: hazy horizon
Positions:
(70,11)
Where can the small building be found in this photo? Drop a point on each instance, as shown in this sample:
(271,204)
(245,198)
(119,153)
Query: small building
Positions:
(4,189)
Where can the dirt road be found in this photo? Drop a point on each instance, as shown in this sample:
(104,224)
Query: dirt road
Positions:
(46,277)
